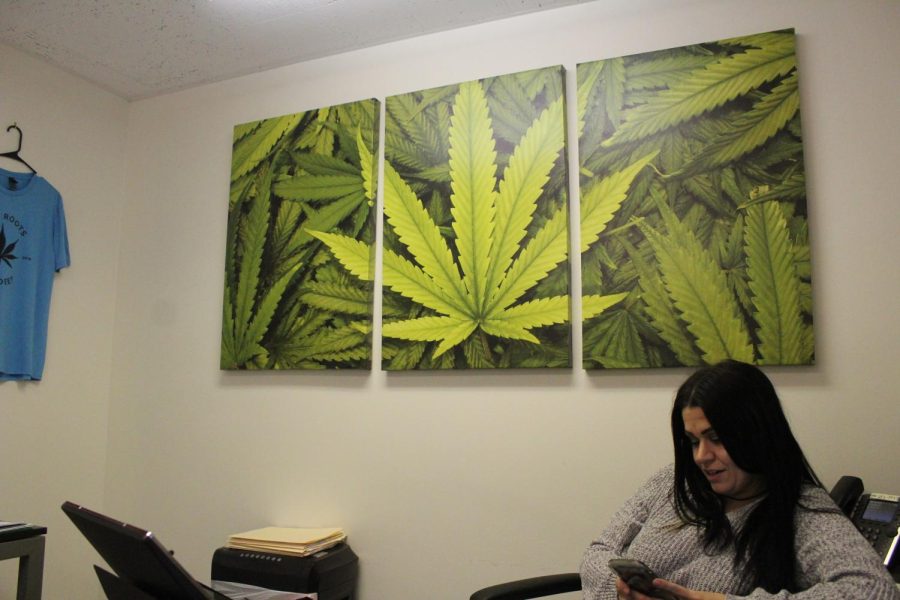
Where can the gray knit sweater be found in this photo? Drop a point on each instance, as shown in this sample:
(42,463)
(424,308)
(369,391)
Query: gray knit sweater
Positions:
(834,561)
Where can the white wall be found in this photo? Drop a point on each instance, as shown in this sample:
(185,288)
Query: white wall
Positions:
(445,481)
(53,433)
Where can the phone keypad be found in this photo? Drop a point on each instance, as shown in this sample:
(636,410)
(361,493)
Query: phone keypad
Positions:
(870,533)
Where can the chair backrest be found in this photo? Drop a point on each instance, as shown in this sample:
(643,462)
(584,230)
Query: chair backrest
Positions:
(535,587)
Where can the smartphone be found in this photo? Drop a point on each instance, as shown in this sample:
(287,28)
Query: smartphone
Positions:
(639,577)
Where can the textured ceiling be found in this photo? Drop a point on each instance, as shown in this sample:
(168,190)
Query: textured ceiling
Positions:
(143,48)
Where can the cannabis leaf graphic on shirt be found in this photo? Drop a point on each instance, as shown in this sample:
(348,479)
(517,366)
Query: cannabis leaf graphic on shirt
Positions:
(6,254)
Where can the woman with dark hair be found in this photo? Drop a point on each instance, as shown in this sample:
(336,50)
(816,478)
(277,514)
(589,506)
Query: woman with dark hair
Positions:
(740,514)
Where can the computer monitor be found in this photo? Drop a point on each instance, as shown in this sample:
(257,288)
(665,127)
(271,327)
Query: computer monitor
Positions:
(136,556)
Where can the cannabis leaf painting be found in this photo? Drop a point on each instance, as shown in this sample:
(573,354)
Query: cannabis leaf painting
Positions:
(289,303)
(710,244)
(475,258)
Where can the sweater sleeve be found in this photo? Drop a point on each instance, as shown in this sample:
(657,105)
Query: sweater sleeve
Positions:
(597,580)
(834,561)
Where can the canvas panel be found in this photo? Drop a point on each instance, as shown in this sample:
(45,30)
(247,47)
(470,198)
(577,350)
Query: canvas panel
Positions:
(301,226)
(475,261)
(693,206)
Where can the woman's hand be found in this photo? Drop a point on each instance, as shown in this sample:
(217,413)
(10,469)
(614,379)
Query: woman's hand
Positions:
(624,592)
(682,592)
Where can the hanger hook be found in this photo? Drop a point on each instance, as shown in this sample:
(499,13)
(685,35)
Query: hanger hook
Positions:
(16,127)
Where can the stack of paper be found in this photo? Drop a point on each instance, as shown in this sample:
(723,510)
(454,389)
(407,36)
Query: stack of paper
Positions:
(287,540)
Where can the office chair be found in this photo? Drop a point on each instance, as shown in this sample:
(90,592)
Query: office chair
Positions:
(535,587)
(551,585)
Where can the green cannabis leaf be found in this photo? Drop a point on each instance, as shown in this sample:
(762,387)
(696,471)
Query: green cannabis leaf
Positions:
(472,292)
(703,90)
(699,290)
(709,246)
(773,278)
(288,304)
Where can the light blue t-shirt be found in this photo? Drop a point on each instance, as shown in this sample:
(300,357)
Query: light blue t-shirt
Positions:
(33,246)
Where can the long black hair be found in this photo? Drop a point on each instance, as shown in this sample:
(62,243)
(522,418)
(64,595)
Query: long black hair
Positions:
(740,403)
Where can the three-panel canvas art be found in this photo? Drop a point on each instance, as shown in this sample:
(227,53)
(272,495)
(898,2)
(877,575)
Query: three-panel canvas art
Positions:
(691,221)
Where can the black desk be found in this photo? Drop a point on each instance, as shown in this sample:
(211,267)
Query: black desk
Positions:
(27,544)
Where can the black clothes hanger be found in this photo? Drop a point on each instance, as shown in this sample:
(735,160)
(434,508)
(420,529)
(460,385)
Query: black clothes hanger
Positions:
(15,153)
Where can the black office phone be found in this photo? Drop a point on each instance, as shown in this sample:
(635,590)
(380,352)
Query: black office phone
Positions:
(877,516)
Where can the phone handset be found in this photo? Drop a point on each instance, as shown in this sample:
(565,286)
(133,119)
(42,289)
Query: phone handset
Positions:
(846,493)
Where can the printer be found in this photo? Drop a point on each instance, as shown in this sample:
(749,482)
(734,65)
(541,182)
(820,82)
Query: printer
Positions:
(329,574)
